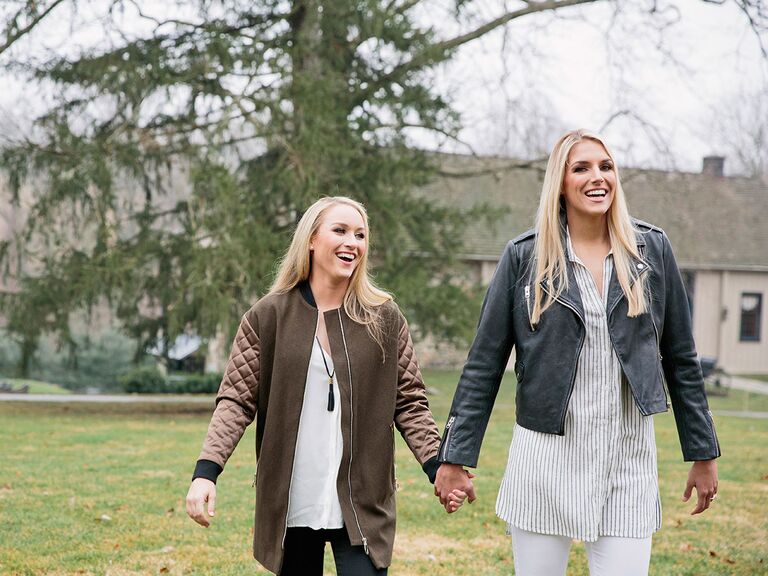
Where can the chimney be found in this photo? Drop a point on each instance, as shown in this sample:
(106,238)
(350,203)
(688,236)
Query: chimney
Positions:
(713,165)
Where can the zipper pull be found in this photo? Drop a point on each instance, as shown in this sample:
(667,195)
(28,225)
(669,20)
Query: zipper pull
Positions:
(446,437)
(528,305)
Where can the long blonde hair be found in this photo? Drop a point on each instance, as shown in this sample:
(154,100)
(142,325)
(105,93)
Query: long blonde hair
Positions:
(549,251)
(363,298)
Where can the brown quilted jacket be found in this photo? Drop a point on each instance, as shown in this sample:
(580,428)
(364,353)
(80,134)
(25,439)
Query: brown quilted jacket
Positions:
(264,379)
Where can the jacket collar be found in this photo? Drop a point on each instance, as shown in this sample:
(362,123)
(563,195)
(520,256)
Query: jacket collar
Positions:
(306,293)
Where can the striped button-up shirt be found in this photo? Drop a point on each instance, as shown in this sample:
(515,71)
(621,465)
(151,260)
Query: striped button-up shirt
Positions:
(599,478)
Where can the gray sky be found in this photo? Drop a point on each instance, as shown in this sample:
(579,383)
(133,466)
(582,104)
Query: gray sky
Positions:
(517,89)
(558,73)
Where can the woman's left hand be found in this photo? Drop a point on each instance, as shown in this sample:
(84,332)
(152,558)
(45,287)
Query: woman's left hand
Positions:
(703,477)
(455,500)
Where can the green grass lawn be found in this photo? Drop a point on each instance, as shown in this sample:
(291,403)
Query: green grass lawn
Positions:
(761,377)
(739,400)
(99,489)
(36,387)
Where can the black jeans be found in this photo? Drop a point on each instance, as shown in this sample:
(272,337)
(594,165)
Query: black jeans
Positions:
(304,548)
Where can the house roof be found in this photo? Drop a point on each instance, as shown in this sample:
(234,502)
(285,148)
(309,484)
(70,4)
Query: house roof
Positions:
(184,345)
(713,222)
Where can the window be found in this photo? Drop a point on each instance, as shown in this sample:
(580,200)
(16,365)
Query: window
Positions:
(751,312)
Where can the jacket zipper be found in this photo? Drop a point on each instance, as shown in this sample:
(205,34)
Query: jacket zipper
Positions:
(447,439)
(658,351)
(288,509)
(290,483)
(528,306)
(394,456)
(711,422)
(351,436)
(581,345)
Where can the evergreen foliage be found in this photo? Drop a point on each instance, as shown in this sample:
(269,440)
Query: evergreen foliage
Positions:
(173,163)
(172,168)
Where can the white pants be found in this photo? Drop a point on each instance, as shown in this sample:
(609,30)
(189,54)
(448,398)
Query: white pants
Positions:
(545,555)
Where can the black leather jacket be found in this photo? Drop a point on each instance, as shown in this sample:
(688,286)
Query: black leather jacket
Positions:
(651,348)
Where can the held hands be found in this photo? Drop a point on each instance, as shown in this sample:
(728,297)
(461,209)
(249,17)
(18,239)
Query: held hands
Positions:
(201,491)
(703,476)
(453,485)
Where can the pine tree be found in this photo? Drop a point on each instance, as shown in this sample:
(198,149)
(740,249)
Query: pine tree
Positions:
(169,172)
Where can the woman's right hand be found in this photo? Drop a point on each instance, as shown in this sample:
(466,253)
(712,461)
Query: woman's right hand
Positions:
(201,491)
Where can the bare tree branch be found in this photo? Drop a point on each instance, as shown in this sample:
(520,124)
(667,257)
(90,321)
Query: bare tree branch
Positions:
(759,23)
(510,166)
(14,31)
(438,50)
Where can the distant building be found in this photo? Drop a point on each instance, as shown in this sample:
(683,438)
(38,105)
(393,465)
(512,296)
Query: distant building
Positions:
(718,227)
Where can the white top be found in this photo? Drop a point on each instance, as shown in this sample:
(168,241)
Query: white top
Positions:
(600,478)
(314,500)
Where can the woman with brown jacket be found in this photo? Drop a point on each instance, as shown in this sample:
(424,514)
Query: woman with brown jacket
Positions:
(325,365)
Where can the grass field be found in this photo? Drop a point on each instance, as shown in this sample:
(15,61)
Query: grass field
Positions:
(36,387)
(99,489)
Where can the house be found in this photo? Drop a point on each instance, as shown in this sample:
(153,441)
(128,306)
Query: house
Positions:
(186,354)
(718,227)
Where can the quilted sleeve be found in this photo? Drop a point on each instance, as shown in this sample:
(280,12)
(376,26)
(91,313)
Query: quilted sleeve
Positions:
(412,415)
(236,402)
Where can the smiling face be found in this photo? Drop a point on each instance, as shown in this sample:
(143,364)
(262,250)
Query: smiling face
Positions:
(339,244)
(589,184)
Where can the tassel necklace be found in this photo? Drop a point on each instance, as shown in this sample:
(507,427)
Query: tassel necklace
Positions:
(330,377)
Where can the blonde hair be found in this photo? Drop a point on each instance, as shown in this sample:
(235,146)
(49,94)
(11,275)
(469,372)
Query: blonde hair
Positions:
(363,298)
(549,251)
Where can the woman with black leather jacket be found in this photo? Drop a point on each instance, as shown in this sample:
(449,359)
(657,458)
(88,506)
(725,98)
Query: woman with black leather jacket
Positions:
(593,302)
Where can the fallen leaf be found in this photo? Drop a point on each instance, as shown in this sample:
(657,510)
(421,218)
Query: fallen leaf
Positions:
(713,554)
(164,570)
(169,512)
(730,561)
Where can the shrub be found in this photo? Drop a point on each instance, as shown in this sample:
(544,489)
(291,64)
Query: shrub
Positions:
(194,383)
(147,380)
